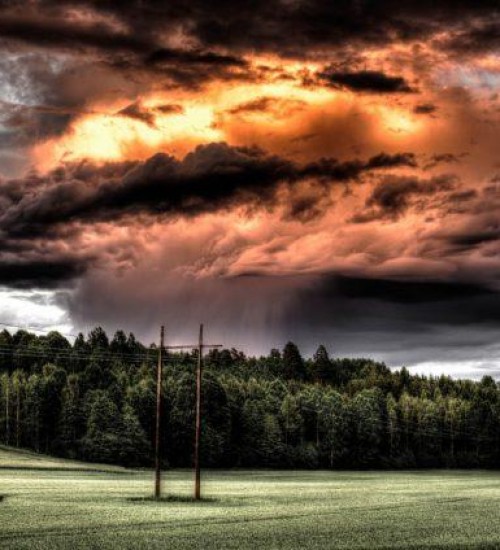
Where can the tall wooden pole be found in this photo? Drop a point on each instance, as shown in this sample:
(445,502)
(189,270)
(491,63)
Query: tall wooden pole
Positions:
(197,437)
(158,417)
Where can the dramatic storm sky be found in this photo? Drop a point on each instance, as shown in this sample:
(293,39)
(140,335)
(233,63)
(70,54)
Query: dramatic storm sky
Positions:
(326,172)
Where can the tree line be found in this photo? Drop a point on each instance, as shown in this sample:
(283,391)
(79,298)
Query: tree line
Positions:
(94,399)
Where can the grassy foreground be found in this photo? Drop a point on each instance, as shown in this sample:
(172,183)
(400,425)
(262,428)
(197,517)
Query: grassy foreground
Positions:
(63,508)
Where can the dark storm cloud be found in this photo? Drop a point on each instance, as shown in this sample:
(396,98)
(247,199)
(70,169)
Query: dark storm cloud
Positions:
(476,234)
(212,177)
(28,124)
(424,109)
(187,68)
(134,110)
(169,109)
(404,292)
(443,158)
(288,28)
(60,33)
(261,104)
(476,38)
(399,321)
(462,196)
(473,239)
(365,81)
(482,230)
(294,27)
(391,197)
(197,57)
(41,273)
(48,32)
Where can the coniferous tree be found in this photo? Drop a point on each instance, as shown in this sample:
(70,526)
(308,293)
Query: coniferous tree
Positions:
(5,408)
(98,341)
(71,425)
(6,351)
(102,442)
(293,363)
(134,445)
(368,426)
(322,366)
(393,426)
(55,349)
(335,421)
(119,345)
(79,356)
(18,394)
(35,391)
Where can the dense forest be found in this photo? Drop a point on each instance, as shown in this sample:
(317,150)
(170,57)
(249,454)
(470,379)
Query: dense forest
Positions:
(95,400)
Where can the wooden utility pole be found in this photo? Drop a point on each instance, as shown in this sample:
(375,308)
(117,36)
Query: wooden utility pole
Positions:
(158,416)
(197,436)
(161,350)
(7,409)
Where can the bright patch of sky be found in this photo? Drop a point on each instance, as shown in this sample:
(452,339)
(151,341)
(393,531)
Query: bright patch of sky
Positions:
(472,78)
(473,370)
(19,308)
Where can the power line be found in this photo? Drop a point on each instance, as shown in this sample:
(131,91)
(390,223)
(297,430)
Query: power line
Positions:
(71,352)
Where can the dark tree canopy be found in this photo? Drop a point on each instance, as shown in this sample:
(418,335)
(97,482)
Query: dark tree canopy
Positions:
(96,400)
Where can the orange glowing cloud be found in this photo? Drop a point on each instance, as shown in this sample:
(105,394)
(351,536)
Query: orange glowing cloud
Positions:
(279,112)
(112,137)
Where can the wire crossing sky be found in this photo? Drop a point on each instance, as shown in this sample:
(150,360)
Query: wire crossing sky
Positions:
(325,172)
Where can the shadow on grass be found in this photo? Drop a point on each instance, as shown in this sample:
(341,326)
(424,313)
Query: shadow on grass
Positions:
(174,498)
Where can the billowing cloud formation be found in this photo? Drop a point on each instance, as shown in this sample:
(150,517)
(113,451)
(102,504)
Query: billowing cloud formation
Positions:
(179,162)
(211,177)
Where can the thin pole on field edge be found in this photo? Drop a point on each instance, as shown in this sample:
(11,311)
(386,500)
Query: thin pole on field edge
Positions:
(158,416)
(197,436)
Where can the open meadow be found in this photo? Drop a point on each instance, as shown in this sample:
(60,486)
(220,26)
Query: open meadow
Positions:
(50,504)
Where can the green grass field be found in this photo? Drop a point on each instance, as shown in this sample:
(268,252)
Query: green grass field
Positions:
(53,504)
